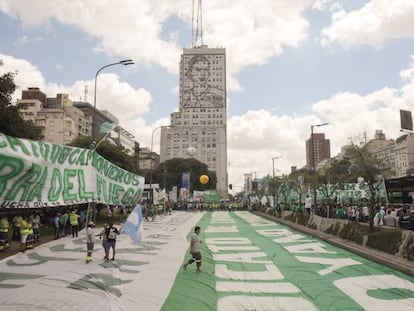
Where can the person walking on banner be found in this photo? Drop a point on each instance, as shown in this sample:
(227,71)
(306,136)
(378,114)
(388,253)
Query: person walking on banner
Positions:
(195,250)
(90,241)
(111,233)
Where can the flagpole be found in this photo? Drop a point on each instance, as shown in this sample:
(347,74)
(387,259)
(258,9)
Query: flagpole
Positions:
(103,138)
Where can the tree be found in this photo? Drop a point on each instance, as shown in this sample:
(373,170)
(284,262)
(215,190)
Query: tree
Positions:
(332,179)
(113,153)
(274,185)
(11,122)
(174,168)
(368,167)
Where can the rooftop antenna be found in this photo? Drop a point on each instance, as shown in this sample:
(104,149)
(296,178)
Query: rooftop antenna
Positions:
(197,26)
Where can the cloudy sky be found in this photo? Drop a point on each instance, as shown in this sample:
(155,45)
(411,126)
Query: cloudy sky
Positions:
(290,65)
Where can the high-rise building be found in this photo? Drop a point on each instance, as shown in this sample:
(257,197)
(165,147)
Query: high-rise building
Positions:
(199,128)
(321,150)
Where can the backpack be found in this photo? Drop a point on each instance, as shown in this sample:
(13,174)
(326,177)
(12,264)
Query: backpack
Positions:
(111,234)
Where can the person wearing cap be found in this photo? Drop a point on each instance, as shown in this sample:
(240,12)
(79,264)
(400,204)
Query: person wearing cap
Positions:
(90,241)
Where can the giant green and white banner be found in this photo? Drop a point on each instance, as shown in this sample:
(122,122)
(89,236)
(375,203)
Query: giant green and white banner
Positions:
(251,263)
(37,174)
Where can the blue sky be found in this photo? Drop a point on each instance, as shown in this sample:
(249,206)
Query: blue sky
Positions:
(290,64)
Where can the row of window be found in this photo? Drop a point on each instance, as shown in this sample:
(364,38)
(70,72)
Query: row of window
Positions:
(208,56)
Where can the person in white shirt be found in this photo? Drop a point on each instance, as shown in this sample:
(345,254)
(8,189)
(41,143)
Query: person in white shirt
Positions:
(195,250)
(390,220)
(308,204)
(90,241)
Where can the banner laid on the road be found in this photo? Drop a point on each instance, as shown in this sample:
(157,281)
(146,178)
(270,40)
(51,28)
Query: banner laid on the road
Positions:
(54,276)
(250,263)
(38,174)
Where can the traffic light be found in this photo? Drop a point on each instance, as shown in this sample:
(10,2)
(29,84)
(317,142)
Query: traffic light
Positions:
(230,186)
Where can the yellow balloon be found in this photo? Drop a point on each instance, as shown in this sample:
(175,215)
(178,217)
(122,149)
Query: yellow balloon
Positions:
(204,179)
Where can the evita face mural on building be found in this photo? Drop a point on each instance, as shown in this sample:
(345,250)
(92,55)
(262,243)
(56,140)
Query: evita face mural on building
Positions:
(200,89)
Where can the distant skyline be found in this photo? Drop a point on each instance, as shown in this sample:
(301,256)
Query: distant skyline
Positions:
(290,64)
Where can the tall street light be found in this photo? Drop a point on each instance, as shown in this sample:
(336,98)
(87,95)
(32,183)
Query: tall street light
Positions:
(313,159)
(124,62)
(273,165)
(152,156)
(273,175)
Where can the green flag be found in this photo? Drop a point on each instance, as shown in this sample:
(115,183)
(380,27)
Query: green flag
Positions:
(107,127)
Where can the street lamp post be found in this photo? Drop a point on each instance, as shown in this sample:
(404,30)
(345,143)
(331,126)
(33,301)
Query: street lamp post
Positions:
(152,158)
(313,160)
(273,165)
(124,62)
(165,187)
(273,175)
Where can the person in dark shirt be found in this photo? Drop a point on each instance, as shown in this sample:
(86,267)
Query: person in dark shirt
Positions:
(111,234)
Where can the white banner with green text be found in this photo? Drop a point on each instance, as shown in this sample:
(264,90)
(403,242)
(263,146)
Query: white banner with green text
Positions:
(36,174)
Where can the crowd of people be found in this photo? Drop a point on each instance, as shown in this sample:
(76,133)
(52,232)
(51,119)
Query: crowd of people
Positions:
(24,229)
(25,226)
(391,216)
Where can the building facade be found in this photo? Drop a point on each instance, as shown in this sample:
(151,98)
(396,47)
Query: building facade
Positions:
(321,150)
(148,159)
(404,156)
(59,119)
(101,116)
(62,120)
(199,128)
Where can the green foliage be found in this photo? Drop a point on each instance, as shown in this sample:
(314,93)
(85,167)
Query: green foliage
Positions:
(302,218)
(353,231)
(114,154)
(334,229)
(298,217)
(408,250)
(172,170)
(291,217)
(387,241)
(11,122)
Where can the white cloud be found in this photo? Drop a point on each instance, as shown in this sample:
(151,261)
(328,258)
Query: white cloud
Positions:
(407,75)
(252,34)
(27,74)
(257,136)
(121,99)
(326,5)
(377,22)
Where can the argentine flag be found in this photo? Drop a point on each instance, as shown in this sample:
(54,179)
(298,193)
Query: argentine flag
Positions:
(133,225)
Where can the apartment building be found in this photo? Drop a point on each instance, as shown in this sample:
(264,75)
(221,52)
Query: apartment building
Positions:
(60,120)
(318,148)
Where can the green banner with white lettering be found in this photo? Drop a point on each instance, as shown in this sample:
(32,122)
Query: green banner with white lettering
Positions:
(36,174)
(250,263)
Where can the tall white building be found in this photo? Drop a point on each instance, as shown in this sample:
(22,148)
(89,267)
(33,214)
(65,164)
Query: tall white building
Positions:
(404,155)
(201,121)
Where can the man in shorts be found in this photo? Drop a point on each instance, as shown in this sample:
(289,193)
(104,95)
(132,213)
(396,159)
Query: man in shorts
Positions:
(90,241)
(111,233)
(195,250)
